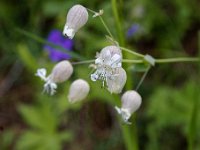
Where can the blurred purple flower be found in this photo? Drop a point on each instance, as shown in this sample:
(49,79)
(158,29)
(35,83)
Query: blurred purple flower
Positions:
(132,30)
(55,37)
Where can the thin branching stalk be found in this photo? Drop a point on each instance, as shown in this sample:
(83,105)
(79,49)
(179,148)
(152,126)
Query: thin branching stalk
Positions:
(132,52)
(103,22)
(83,62)
(143,77)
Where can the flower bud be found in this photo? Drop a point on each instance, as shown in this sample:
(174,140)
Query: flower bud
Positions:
(116,83)
(76,18)
(78,90)
(131,101)
(61,72)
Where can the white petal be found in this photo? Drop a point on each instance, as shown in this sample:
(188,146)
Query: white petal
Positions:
(68,32)
(41,73)
(50,88)
(94,77)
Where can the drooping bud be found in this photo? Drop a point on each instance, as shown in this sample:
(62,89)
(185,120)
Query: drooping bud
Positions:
(131,101)
(60,73)
(78,90)
(116,83)
(76,18)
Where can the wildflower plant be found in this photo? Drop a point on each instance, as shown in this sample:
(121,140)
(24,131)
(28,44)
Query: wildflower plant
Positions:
(108,66)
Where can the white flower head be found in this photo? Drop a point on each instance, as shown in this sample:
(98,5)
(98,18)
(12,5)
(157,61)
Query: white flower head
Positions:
(76,18)
(131,101)
(60,73)
(107,62)
(78,90)
(116,83)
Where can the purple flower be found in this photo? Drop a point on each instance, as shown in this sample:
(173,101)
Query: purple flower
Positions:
(55,37)
(132,30)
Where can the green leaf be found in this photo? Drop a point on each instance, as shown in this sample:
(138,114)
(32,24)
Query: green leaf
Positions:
(26,57)
(42,118)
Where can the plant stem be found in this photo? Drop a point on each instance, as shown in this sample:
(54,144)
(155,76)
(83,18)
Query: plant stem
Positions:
(129,132)
(181,59)
(132,52)
(143,77)
(103,22)
(106,27)
(193,122)
(165,60)
(118,23)
(132,61)
(83,62)
(195,112)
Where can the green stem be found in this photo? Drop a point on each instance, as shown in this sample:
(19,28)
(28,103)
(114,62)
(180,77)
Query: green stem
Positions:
(132,61)
(193,123)
(181,59)
(129,132)
(106,27)
(83,62)
(132,52)
(103,22)
(166,60)
(195,112)
(118,23)
(143,77)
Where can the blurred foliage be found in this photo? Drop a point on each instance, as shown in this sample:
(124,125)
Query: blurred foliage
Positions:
(167,28)
(169,111)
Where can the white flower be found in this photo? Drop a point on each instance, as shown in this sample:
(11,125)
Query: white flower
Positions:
(116,83)
(108,60)
(131,101)
(78,90)
(60,73)
(76,18)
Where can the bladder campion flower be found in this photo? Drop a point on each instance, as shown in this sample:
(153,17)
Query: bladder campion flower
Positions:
(107,65)
(55,37)
(131,101)
(60,73)
(78,90)
(76,18)
(116,83)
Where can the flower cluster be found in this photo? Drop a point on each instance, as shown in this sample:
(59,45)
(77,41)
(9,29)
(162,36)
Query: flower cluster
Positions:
(108,69)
